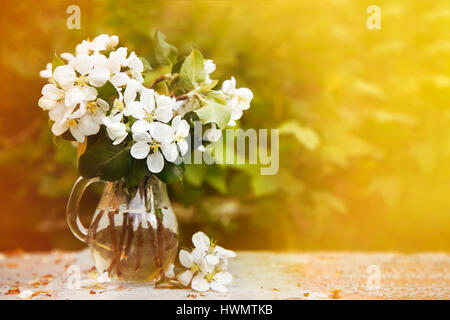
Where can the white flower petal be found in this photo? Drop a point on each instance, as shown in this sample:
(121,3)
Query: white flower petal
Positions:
(113,66)
(91,93)
(163,114)
(46,104)
(218,287)
(184,147)
(224,253)
(210,66)
(134,109)
(74,96)
(88,126)
(142,137)
(244,96)
(70,59)
(57,113)
(50,91)
(169,151)
(198,255)
(130,92)
(83,64)
(59,128)
(26,294)
(186,258)
(212,259)
(212,135)
(200,240)
(229,86)
(99,61)
(120,138)
(199,283)
(155,162)
(77,134)
(140,150)
(236,114)
(147,99)
(140,126)
(119,79)
(102,104)
(47,72)
(134,63)
(161,132)
(180,126)
(185,277)
(165,101)
(64,76)
(120,55)
(99,76)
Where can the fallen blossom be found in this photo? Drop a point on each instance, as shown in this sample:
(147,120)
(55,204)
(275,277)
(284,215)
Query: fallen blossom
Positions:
(27,294)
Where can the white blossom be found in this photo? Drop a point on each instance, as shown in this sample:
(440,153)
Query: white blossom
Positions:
(212,251)
(181,131)
(47,72)
(117,131)
(146,108)
(153,145)
(210,67)
(212,134)
(86,125)
(206,265)
(237,99)
(193,262)
(215,280)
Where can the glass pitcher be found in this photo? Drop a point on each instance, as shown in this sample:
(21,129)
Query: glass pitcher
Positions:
(133,235)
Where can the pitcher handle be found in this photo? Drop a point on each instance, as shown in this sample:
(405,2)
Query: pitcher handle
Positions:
(73,206)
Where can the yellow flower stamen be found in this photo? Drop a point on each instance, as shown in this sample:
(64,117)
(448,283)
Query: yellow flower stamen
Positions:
(209,276)
(195,267)
(119,105)
(154,147)
(71,122)
(82,81)
(212,243)
(92,107)
(149,116)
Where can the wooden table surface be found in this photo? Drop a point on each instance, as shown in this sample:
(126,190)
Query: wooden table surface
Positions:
(257,275)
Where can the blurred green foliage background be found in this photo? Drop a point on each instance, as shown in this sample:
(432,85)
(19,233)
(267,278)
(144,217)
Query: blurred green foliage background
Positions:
(364,119)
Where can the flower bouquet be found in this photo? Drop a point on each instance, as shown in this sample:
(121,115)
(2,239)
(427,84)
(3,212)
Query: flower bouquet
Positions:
(132,119)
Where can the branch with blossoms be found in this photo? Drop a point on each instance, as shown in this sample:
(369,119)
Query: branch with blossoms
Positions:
(129,113)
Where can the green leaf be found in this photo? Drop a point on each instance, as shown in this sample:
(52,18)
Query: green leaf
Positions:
(165,54)
(177,66)
(208,86)
(146,64)
(171,172)
(107,91)
(192,70)
(214,112)
(104,160)
(137,172)
(56,62)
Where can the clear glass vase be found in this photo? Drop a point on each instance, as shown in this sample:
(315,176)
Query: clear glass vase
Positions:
(133,234)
